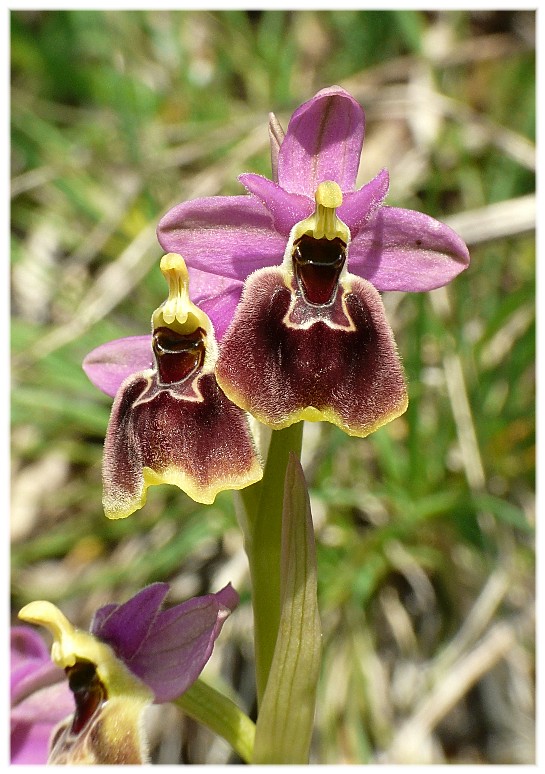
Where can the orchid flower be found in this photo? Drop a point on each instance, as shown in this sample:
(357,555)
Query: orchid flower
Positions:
(291,272)
(40,697)
(134,654)
(170,422)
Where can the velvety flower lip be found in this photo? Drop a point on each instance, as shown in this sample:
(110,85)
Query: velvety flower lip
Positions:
(343,368)
(393,248)
(170,422)
(40,697)
(135,653)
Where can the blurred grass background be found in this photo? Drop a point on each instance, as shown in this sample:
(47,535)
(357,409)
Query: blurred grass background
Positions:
(425,529)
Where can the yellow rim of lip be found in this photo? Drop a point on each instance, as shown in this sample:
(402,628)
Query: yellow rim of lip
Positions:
(312,414)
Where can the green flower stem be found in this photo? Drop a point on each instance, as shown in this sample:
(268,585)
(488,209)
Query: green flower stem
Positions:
(262,524)
(286,717)
(210,707)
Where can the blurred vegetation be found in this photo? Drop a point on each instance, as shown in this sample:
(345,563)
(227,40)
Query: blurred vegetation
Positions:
(425,529)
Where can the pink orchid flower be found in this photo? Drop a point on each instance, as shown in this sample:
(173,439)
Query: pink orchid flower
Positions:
(135,654)
(289,274)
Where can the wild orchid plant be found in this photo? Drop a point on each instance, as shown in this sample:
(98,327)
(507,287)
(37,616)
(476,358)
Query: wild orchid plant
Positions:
(285,323)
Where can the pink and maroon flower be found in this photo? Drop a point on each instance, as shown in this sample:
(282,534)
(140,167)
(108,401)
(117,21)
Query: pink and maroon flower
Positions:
(134,654)
(306,339)
(290,274)
(170,421)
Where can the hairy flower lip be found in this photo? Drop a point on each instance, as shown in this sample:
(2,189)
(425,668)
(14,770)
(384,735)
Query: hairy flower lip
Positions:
(334,361)
(170,422)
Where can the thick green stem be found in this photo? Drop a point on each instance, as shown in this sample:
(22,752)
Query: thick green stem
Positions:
(286,717)
(208,706)
(263,505)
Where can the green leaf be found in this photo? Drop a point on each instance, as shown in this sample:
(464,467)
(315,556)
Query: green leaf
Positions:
(286,718)
(261,519)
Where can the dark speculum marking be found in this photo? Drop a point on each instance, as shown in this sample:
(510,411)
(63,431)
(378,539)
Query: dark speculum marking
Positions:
(317,264)
(89,693)
(178,355)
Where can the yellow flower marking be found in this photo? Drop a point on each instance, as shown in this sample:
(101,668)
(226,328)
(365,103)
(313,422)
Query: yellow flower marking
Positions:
(71,645)
(178,311)
(324,221)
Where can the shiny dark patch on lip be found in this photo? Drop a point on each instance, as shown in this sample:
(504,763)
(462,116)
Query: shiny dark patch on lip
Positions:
(89,693)
(178,355)
(318,264)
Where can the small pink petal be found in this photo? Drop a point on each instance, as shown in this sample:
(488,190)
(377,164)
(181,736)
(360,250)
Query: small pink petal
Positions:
(323,142)
(286,208)
(109,365)
(407,250)
(217,296)
(167,649)
(227,235)
(358,207)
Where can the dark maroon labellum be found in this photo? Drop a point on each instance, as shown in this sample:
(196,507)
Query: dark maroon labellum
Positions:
(317,264)
(178,355)
(89,693)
